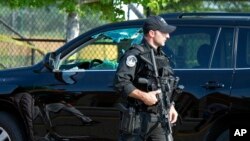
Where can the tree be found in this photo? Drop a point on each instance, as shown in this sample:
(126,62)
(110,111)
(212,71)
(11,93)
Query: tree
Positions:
(73,8)
(111,9)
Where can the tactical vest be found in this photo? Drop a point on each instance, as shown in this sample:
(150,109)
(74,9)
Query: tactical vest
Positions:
(145,68)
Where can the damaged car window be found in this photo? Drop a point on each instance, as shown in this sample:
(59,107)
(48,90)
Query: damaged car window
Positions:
(103,51)
(123,34)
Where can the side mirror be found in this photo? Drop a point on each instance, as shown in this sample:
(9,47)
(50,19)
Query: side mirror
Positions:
(52,61)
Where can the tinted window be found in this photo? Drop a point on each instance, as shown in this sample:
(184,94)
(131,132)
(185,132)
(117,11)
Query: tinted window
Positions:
(243,48)
(191,47)
(223,52)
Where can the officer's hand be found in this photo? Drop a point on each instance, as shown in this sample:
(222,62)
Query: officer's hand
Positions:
(173,114)
(150,97)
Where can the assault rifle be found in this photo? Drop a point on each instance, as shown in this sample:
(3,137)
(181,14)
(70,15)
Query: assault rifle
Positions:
(167,85)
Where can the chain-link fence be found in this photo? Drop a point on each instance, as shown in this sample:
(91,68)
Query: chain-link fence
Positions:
(27,34)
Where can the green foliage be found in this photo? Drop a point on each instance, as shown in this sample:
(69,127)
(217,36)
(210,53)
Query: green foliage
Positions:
(183,6)
(111,9)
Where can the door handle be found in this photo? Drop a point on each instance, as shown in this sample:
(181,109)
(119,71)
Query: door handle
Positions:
(213,85)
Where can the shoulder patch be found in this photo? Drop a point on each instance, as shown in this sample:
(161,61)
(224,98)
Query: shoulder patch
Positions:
(131,61)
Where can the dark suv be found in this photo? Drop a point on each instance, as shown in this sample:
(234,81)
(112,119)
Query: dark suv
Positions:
(69,94)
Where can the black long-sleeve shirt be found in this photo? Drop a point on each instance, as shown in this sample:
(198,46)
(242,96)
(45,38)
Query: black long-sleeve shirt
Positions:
(129,66)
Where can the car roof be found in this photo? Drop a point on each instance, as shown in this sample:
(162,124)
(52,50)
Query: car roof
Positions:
(207,15)
(209,18)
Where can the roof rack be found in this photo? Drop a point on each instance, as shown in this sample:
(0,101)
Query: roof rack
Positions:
(206,15)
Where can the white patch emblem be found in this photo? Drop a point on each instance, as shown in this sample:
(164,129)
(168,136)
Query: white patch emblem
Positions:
(131,61)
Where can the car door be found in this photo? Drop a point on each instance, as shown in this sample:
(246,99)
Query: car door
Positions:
(241,86)
(202,58)
(86,86)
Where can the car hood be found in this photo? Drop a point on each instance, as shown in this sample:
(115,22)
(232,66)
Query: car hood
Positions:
(16,75)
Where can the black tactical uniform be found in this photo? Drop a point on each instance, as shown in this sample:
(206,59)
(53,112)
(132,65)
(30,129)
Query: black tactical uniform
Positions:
(134,65)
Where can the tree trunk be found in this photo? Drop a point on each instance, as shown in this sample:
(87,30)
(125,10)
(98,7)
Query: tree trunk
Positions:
(73,27)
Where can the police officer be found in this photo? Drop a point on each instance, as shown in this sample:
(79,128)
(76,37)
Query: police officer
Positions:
(139,95)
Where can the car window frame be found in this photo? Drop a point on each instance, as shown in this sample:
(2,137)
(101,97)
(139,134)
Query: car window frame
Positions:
(88,42)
